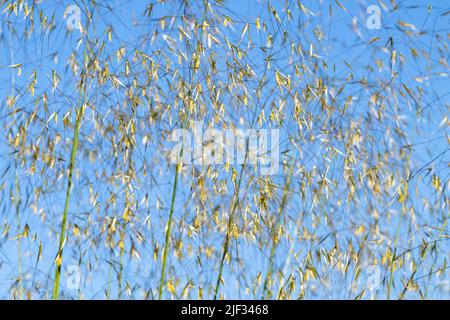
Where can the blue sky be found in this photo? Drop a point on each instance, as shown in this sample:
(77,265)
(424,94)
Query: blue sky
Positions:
(346,47)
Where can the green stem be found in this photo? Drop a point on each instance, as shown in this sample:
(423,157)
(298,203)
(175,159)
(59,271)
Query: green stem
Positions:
(79,115)
(391,272)
(119,277)
(228,234)
(169,224)
(274,243)
(20,234)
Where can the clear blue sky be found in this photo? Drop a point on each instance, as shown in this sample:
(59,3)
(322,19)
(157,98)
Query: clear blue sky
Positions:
(346,48)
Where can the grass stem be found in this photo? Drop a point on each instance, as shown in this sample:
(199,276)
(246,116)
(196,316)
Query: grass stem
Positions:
(79,115)
(275,231)
(169,224)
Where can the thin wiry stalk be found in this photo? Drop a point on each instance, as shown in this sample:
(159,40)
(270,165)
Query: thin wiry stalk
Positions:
(228,234)
(391,272)
(172,206)
(169,223)
(108,289)
(18,200)
(274,243)
(120,274)
(413,274)
(79,115)
(19,250)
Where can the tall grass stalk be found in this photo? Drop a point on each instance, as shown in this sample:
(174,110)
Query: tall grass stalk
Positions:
(169,224)
(120,274)
(393,258)
(275,231)
(19,239)
(229,226)
(79,116)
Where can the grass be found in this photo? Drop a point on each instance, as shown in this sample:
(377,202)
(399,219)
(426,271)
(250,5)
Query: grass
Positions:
(169,224)
(226,242)
(393,258)
(350,124)
(18,201)
(59,257)
(275,231)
